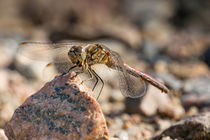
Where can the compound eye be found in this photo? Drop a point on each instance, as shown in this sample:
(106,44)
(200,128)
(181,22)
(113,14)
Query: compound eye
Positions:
(71,54)
(72,49)
(78,49)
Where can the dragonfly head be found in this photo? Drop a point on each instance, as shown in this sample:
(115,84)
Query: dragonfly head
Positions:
(77,55)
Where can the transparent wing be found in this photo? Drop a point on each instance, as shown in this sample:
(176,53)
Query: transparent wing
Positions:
(130,85)
(56,54)
(61,67)
(45,51)
(49,72)
(52,69)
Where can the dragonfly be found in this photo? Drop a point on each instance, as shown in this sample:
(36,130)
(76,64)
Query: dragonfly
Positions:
(133,83)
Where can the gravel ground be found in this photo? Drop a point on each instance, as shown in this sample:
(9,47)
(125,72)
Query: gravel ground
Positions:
(168,40)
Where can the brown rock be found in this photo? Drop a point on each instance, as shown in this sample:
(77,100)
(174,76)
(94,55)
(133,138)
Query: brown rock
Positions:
(155,101)
(6,59)
(182,45)
(15,84)
(191,128)
(74,16)
(8,103)
(2,135)
(62,109)
(166,138)
(8,99)
(189,70)
(197,92)
(163,123)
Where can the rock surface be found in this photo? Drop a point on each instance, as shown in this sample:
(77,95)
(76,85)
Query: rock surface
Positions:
(191,128)
(197,92)
(62,109)
(189,70)
(8,103)
(2,135)
(13,91)
(159,37)
(156,102)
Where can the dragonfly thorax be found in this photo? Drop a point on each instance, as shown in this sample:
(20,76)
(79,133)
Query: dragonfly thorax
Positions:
(96,54)
(89,55)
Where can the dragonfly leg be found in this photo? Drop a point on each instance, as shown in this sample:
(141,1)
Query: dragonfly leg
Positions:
(77,72)
(72,68)
(97,78)
(91,77)
(95,83)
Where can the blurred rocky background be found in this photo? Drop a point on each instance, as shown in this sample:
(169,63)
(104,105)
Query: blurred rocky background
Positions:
(167,39)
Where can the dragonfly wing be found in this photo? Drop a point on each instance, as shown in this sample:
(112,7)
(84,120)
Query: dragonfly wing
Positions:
(45,51)
(130,86)
(52,69)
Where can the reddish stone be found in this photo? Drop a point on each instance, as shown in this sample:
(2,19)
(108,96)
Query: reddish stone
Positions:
(63,109)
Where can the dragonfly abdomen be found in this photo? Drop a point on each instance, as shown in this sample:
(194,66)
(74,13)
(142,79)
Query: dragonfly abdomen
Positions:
(147,78)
